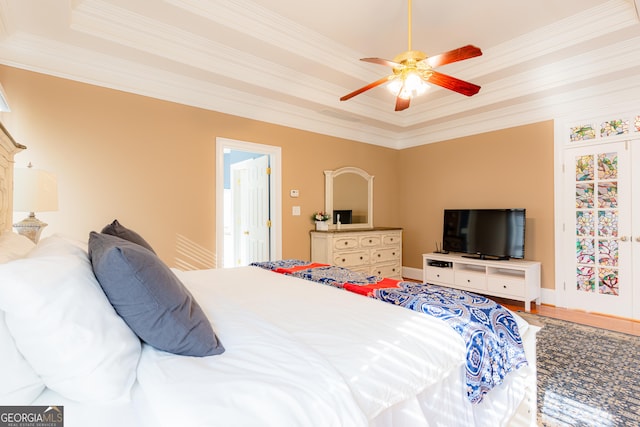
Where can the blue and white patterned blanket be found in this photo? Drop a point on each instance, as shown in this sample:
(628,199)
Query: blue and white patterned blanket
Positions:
(493,342)
(490,332)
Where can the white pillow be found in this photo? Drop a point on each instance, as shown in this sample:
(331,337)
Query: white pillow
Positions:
(20,384)
(59,244)
(64,325)
(14,246)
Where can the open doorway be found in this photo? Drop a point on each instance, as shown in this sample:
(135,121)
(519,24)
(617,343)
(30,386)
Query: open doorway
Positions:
(248,200)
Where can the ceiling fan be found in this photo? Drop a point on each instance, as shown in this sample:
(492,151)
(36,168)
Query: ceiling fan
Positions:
(413,69)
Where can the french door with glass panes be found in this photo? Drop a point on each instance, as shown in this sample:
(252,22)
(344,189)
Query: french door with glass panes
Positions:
(601,238)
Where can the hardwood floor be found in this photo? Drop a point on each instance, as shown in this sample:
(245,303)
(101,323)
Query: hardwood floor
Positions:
(592,319)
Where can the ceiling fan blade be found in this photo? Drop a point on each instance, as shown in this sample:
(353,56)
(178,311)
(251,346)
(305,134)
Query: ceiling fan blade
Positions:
(365,88)
(381,61)
(453,84)
(402,103)
(455,55)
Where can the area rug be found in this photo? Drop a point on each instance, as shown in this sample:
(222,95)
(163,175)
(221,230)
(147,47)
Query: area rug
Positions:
(586,376)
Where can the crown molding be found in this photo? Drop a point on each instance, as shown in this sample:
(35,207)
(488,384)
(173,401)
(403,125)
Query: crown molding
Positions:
(73,63)
(29,52)
(548,108)
(105,21)
(258,22)
(311,104)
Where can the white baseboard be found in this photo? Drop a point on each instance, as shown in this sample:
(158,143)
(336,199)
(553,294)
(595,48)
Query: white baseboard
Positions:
(548,296)
(412,273)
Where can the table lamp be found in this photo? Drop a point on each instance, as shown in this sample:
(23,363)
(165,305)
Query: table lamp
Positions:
(35,190)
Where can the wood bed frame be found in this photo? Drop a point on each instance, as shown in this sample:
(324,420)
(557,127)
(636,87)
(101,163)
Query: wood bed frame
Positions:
(8,148)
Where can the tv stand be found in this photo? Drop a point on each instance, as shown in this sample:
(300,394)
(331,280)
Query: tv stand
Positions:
(517,279)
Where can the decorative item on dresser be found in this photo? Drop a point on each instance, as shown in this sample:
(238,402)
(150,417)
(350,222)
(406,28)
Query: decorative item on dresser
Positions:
(513,279)
(376,251)
(321,219)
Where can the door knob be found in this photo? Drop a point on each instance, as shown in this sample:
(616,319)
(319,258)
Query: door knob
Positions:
(623,238)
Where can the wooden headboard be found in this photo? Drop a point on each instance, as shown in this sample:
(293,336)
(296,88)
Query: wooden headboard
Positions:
(8,148)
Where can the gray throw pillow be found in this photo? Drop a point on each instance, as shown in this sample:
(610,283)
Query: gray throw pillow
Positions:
(119,230)
(150,298)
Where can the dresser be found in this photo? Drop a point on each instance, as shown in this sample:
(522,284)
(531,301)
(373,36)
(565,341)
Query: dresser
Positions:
(374,251)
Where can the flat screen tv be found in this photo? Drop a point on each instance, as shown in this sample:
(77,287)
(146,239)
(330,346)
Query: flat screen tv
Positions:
(343,215)
(484,233)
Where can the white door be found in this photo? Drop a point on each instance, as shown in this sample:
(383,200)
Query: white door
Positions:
(271,209)
(250,194)
(597,238)
(635,231)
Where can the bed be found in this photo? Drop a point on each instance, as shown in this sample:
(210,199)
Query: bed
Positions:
(257,347)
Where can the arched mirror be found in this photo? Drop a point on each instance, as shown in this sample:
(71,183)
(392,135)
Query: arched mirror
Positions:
(349,197)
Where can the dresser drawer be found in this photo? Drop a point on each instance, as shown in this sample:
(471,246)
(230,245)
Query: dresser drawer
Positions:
(392,239)
(364,269)
(385,255)
(437,274)
(392,271)
(342,243)
(370,241)
(470,280)
(351,259)
(506,285)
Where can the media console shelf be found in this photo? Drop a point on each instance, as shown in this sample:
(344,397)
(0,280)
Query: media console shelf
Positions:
(513,279)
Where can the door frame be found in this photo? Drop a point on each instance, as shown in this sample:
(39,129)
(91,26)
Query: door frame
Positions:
(275,193)
(562,125)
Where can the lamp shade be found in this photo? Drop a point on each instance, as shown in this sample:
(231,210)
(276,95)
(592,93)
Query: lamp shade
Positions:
(35,190)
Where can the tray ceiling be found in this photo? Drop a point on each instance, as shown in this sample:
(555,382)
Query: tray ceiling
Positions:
(288,62)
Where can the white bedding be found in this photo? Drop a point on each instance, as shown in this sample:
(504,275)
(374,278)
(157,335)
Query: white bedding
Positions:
(300,353)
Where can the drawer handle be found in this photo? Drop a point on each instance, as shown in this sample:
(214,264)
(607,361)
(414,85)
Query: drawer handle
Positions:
(504,286)
(361,257)
(343,260)
(379,255)
(370,241)
(468,280)
(346,243)
(393,253)
(437,275)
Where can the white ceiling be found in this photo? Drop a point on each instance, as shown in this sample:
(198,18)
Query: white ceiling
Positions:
(288,62)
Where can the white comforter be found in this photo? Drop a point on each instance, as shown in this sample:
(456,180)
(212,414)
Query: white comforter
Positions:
(303,354)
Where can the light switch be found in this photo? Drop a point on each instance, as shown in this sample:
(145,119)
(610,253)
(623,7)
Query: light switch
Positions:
(295,211)
(294,193)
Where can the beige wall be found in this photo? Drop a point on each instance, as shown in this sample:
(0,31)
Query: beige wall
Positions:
(511,168)
(151,164)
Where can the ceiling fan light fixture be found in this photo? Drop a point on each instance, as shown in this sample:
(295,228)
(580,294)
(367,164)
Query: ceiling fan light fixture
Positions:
(395,85)
(408,85)
(413,72)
